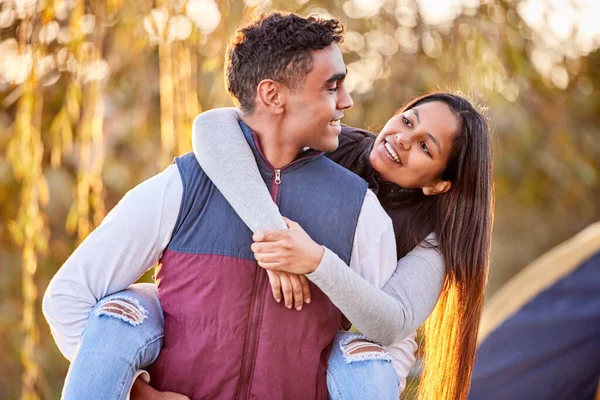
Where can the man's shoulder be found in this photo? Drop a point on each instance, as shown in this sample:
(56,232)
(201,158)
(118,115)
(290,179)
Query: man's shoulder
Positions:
(373,207)
(373,220)
(187,160)
(191,173)
(188,164)
(337,172)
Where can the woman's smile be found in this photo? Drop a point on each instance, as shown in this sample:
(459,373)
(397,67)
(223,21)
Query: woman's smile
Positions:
(392,152)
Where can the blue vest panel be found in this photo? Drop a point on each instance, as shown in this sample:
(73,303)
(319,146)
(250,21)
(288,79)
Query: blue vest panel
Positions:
(323,197)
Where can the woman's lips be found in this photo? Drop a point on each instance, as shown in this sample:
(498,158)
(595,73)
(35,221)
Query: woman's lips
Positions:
(391,152)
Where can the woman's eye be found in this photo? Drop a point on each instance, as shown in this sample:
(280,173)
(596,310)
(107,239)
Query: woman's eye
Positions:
(333,89)
(425,148)
(406,121)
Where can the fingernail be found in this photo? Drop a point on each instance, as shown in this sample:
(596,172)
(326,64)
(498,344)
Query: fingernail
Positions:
(289,306)
(299,308)
(307,301)
(277,299)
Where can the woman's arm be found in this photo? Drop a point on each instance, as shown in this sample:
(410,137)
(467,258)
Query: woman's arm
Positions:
(226,158)
(394,298)
(390,314)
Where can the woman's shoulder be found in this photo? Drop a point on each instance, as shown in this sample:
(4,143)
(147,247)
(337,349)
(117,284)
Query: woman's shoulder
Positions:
(356,134)
(352,143)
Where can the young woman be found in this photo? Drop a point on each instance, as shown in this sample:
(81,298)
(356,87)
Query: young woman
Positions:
(431,168)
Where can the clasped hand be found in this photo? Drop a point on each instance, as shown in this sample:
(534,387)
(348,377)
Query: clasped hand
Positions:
(288,255)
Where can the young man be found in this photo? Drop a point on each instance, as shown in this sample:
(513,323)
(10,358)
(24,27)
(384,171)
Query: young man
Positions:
(224,334)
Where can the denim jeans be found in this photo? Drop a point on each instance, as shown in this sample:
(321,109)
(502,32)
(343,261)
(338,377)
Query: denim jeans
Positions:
(115,344)
(367,375)
(124,333)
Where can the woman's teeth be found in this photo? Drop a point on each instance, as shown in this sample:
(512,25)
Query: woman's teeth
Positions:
(335,122)
(392,152)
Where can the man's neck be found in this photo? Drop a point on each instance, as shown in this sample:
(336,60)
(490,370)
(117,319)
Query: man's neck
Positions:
(276,147)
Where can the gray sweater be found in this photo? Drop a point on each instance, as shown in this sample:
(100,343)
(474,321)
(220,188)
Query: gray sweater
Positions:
(384,315)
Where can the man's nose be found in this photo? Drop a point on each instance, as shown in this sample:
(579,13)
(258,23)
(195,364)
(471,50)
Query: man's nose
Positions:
(344,100)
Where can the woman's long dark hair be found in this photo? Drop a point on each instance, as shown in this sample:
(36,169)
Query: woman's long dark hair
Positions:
(462,219)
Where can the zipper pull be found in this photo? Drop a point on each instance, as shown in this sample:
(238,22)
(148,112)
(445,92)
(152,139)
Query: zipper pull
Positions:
(277,176)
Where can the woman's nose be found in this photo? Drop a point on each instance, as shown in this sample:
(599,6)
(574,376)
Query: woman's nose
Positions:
(403,140)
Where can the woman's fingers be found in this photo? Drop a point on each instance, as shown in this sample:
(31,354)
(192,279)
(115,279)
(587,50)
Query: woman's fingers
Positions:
(294,288)
(275,282)
(269,236)
(271,266)
(298,291)
(290,224)
(305,288)
(287,290)
(267,247)
(269,257)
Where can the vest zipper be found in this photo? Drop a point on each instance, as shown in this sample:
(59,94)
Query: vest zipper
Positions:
(277,176)
(260,286)
(275,185)
(252,334)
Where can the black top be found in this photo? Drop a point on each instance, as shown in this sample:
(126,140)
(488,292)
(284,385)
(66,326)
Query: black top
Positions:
(399,203)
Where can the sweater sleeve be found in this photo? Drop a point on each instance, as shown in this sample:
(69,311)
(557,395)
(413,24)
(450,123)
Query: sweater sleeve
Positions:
(390,314)
(128,242)
(385,301)
(217,139)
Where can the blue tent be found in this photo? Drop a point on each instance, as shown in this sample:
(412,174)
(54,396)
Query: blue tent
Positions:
(540,333)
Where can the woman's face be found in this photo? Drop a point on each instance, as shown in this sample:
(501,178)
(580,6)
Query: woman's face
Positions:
(413,148)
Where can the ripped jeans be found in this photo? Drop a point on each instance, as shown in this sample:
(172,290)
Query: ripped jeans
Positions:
(124,334)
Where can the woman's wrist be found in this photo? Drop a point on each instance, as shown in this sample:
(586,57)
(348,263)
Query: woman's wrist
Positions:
(316,257)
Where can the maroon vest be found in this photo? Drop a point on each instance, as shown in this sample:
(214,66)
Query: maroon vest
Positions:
(225,335)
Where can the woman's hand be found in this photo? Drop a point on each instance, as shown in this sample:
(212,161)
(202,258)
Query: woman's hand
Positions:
(294,287)
(289,250)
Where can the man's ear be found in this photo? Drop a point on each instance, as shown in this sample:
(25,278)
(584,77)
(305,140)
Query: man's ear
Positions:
(438,187)
(270,96)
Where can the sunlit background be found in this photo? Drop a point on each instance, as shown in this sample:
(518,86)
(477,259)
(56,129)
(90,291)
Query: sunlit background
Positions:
(98,95)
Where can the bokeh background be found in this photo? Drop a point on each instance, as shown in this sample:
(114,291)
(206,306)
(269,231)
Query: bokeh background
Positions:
(98,95)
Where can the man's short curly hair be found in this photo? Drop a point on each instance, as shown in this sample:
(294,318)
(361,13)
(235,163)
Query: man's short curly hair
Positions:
(275,46)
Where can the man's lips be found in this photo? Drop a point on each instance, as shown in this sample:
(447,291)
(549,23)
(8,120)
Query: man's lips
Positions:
(392,151)
(336,120)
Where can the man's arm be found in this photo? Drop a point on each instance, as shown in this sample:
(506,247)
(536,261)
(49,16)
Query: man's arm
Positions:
(128,242)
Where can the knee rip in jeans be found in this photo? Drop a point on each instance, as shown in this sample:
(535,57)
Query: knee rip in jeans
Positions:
(359,348)
(124,308)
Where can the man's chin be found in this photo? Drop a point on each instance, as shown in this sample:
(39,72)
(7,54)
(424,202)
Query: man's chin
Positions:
(329,146)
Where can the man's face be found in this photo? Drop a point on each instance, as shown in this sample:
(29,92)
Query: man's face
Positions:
(313,112)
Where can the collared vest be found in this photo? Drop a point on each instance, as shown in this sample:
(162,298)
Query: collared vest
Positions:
(225,335)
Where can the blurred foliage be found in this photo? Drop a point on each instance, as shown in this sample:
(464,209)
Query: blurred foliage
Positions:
(96,96)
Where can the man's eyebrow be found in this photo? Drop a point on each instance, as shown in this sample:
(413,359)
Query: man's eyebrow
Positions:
(337,77)
(433,139)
